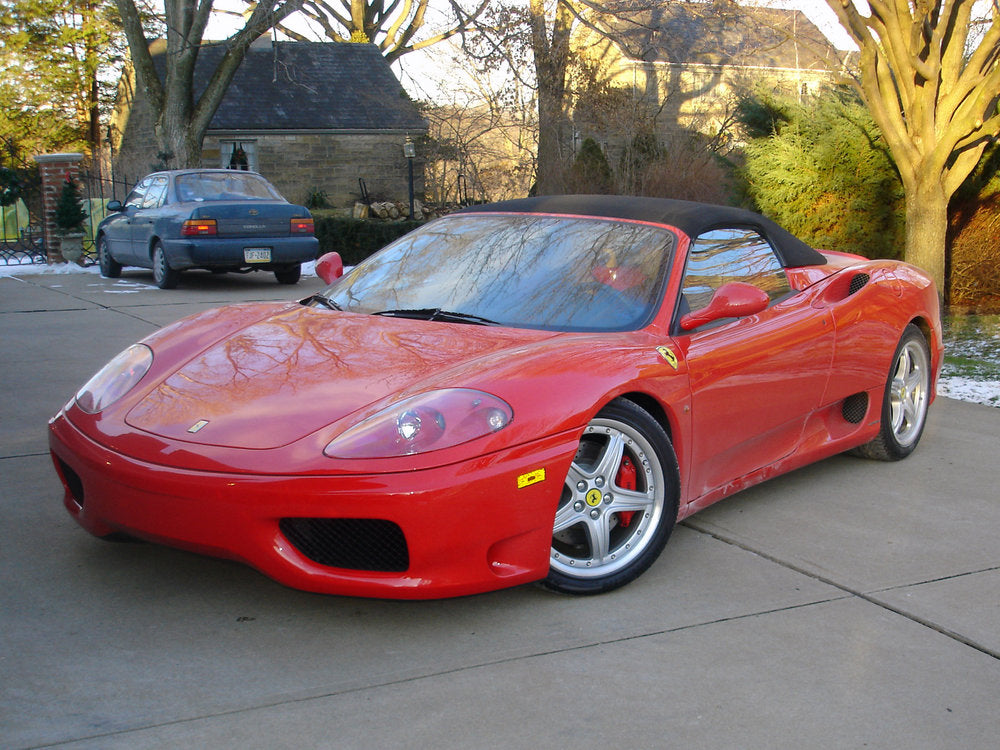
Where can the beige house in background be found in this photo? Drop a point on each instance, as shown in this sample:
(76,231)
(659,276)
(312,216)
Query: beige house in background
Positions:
(684,65)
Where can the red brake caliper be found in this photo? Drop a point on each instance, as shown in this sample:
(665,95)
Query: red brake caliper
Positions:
(626,479)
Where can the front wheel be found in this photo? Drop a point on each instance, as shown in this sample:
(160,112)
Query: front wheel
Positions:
(619,503)
(907,396)
(164,276)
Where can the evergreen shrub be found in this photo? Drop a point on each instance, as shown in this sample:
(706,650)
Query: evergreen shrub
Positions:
(591,172)
(69,213)
(356,239)
(824,172)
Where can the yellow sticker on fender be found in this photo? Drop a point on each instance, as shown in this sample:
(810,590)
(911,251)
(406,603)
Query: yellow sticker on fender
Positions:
(532,477)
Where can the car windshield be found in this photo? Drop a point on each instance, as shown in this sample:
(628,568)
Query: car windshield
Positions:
(524,271)
(224,186)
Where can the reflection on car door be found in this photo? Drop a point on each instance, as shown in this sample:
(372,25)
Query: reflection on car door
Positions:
(755,380)
(118,231)
(143,220)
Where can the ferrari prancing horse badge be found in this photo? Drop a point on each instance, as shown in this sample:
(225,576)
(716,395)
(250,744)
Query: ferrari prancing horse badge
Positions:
(668,356)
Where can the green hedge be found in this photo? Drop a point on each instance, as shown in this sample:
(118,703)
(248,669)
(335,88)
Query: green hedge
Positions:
(356,239)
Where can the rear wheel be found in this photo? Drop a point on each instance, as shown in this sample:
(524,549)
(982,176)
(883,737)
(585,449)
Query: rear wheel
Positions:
(164,276)
(904,406)
(618,505)
(289,274)
(110,268)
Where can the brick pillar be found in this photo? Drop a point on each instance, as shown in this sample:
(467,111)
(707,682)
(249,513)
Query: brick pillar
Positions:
(55,169)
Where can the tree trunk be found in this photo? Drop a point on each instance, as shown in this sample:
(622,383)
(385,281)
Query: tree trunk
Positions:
(551,54)
(927,229)
(551,119)
(178,143)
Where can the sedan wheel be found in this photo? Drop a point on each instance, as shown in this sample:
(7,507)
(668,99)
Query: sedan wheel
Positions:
(907,396)
(110,268)
(619,503)
(164,276)
(289,274)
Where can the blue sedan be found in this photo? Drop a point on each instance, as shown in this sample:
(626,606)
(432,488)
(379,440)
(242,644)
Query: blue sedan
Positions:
(217,219)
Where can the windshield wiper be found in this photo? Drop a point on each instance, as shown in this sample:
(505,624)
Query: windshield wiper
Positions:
(325,301)
(436,313)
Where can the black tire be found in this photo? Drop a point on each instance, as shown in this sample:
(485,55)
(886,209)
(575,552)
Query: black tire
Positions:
(605,535)
(904,405)
(110,268)
(164,276)
(289,274)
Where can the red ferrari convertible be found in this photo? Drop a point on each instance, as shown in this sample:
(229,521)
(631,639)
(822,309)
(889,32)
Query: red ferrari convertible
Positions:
(534,390)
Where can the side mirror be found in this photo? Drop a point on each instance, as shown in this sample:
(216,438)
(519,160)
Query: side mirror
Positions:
(733,300)
(115,206)
(330,267)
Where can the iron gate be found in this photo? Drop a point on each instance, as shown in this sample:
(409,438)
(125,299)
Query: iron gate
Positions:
(21,239)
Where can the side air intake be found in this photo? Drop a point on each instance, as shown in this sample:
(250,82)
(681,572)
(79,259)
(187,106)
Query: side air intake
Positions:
(858,282)
(854,408)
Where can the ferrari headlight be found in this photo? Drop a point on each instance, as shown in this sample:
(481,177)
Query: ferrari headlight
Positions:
(428,422)
(115,379)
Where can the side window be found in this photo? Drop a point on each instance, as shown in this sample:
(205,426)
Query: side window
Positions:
(138,194)
(156,193)
(725,255)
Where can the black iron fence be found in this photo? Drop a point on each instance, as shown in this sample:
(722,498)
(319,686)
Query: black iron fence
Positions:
(98,190)
(21,239)
(21,207)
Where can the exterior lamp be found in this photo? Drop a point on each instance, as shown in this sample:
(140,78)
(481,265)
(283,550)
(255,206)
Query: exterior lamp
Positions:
(409,151)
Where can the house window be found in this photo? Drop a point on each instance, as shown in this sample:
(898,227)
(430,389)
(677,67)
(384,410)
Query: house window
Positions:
(238,155)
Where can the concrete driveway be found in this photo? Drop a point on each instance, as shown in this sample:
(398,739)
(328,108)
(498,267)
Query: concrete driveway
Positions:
(850,604)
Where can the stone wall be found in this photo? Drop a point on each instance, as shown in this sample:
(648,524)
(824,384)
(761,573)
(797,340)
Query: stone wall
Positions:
(300,163)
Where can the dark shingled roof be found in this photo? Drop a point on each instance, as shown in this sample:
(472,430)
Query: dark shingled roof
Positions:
(310,86)
(691,218)
(709,34)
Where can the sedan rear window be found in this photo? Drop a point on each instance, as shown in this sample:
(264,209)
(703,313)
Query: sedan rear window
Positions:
(524,271)
(224,186)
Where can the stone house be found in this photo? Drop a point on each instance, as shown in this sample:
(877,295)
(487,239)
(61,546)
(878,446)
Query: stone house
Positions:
(683,65)
(309,116)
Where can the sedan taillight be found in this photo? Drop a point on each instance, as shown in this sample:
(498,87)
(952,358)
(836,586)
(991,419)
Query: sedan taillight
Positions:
(199,228)
(303,226)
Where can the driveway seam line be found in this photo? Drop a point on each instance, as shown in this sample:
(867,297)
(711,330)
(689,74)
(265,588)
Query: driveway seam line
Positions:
(868,597)
(442,673)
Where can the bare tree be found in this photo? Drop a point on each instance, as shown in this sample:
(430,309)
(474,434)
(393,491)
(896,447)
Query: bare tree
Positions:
(395,26)
(181,118)
(931,78)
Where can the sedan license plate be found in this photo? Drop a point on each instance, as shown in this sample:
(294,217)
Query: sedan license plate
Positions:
(257,254)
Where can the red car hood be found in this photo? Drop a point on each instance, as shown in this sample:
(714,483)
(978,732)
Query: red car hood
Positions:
(295,372)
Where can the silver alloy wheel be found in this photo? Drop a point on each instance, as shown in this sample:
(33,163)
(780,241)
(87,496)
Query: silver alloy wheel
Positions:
(908,392)
(601,527)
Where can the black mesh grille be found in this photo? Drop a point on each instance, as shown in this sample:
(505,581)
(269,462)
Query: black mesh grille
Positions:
(857,283)
(352,543)
(855,407)
(73,481)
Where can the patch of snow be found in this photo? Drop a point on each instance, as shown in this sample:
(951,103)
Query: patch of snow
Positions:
(34,269)
(966,389)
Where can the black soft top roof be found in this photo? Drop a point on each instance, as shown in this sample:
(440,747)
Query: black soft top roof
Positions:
(691,218)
